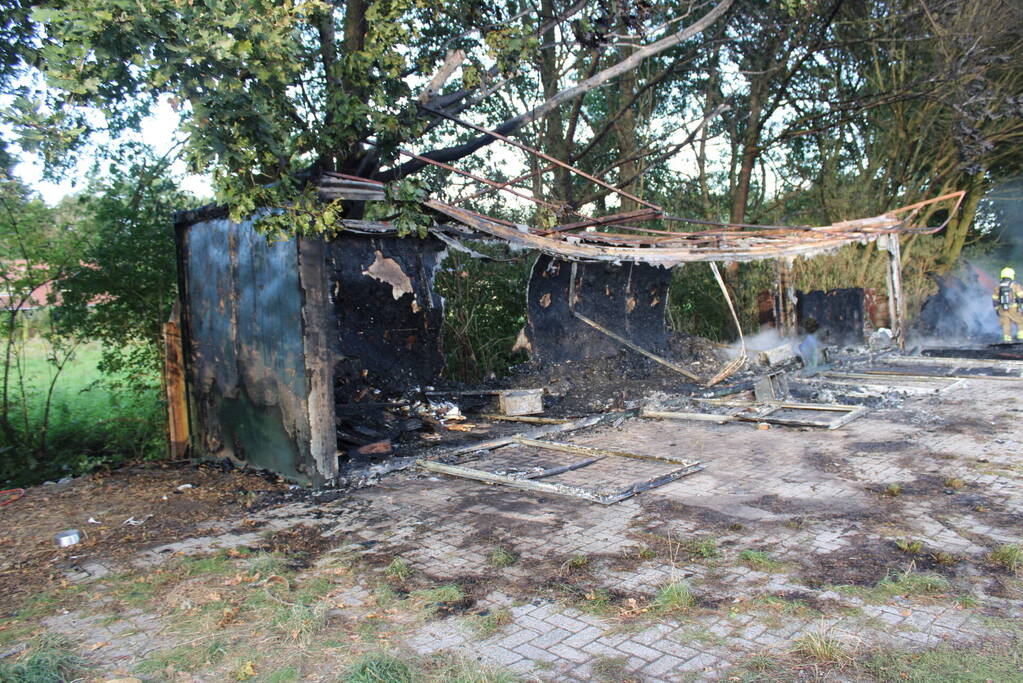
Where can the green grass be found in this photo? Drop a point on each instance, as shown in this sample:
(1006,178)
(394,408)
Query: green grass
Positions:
(704,547)
(759,560)
(91,424)
(378,668)
(912,583)
(1002,663)
(909,547)
(486,625)
(398,569)
(675,597)
(821,646)
(189,658)
(49,658)
(501,557)
(1009,556)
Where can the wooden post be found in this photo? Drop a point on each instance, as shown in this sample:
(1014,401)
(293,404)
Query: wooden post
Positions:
(784,298)
(174,385)
(896,302)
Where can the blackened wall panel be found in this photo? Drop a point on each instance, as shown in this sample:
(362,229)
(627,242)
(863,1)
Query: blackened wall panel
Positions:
(388,318)
(628,299)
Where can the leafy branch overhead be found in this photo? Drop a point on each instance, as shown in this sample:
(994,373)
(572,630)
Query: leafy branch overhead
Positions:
(268,90)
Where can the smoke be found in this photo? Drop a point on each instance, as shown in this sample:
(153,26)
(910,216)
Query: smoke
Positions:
(767,338)
(961,310)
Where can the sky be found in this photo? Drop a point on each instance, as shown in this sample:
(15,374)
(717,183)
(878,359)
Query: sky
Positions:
(158,131)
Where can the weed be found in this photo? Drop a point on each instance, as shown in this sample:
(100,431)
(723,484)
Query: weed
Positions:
(646,553)
(705,547)
(378,668)
(909,547)
(267,564)
(486,625)
(432,599)
(675,597)
(500,557)
(597,602)
(576,562)
(399,569)
(449,668)
(892,490)
(954,483)
(759,560)
(1009,556)
(49,658)
(966,601)
(822,646)
(299,622)
(945,559)
(609,669)
(205,565)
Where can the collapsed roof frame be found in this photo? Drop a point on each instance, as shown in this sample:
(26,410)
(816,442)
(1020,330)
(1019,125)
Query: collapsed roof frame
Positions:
(580,241)
(732,242)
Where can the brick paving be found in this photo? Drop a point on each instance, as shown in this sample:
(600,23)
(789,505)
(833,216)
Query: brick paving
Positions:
(812,500)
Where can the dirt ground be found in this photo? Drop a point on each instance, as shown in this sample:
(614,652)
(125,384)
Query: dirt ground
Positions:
(888,549)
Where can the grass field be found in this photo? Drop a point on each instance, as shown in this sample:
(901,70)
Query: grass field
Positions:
(91,422)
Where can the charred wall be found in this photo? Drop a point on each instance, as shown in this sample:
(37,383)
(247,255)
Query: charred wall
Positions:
(628,299)
(387,318)
(838,313)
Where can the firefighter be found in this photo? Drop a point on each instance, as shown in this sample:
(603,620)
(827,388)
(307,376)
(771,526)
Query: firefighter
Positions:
(1008,301)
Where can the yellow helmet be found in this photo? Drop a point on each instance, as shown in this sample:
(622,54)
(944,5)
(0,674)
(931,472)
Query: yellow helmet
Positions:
(1008,274)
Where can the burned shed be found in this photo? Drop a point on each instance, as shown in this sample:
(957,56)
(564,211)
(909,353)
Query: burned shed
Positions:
(285,345)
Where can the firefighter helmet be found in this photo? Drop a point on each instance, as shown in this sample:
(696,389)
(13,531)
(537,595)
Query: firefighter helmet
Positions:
(1008,274)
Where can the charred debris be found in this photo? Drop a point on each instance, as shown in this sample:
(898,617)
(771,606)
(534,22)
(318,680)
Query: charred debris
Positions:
(320,358)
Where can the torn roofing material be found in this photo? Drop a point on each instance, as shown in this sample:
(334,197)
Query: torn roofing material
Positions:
(581,241)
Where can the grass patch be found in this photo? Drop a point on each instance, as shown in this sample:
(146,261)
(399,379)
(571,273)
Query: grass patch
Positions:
(378,668)
(576,562)
(821,646)
(954,483)
(675,597)
(963,665)
(486,625)
(288,674)
(187,658)
(704,547)
(912,583)
(759,560)
(909,547)
(610,669)
(501,557)
(1009,556)
(49,658)
(598,602)
(892,490)
(646,553)
(399,569)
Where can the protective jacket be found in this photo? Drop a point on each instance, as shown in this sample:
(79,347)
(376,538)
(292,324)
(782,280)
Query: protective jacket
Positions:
(1008,296)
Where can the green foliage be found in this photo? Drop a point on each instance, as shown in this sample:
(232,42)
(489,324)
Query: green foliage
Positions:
(399,569)
(484,310)
(90,424)
(127,282)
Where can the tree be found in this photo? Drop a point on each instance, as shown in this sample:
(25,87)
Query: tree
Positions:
(126,284)
(269,89)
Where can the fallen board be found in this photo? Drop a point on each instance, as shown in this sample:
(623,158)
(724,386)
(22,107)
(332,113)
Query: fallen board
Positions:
(772,413)
(955,362)
(909,384)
